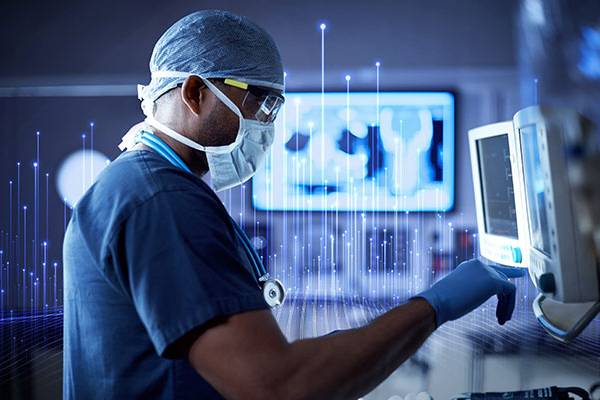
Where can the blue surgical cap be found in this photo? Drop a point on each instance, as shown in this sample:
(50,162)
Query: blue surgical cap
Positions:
(215,44)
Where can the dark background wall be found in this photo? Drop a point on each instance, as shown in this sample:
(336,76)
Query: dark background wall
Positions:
(113,40)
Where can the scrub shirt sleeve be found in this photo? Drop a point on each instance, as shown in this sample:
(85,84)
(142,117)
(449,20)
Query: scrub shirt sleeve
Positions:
(182,267)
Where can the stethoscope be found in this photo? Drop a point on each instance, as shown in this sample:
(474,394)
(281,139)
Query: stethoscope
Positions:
(273,290)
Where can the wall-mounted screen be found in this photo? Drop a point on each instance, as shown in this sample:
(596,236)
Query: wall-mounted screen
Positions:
(362,151)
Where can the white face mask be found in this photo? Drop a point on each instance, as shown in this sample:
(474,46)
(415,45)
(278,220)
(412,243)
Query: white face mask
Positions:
(229,165)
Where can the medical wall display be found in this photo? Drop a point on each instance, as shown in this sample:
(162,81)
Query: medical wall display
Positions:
(360,151)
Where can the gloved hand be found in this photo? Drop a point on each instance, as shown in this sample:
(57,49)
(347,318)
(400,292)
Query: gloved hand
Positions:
(469,286)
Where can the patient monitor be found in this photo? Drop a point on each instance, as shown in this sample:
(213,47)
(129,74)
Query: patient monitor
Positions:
(499,199)
(554,167)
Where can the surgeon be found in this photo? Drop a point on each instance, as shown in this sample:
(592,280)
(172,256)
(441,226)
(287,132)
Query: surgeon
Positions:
(163,297)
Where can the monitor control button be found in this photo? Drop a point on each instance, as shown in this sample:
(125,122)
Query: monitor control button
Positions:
(517,255)
(546,283)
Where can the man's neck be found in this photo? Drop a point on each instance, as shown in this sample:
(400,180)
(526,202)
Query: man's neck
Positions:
(194,159)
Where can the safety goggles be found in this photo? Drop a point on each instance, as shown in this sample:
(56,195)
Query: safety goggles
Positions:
(263,103)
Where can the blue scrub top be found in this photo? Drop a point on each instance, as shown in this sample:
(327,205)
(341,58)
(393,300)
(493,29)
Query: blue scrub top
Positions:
(150,256)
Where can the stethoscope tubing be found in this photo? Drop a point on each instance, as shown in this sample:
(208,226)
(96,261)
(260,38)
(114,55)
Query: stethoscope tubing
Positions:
(156,144)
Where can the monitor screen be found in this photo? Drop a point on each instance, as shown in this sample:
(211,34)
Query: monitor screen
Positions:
(363,151)
(534,190)
(498,195)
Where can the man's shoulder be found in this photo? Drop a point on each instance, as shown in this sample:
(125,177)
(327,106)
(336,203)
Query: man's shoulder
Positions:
(140,175)
(137,177)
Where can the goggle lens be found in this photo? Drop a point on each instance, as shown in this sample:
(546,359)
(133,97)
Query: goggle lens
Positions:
(269,107)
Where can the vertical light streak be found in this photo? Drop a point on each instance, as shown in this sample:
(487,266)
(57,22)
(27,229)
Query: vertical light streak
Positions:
(24,283)
(83,163)
(36,205)
(310,184)
(35,216)
(347,266)
(10,219)
(377,201)
(2,281)
(91,156)
(295,199)
(323,181)
(55,265)
(44,300)
(11,253)
(18,237)
(377,65)
(283,242)
(47,218)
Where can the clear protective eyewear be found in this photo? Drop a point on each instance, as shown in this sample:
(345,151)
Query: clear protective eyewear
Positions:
(263,103)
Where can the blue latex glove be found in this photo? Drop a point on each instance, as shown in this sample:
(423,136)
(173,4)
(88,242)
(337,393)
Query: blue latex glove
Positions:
(469,286)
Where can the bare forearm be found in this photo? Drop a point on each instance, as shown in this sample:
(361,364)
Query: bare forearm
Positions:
(351,363)
(248,357)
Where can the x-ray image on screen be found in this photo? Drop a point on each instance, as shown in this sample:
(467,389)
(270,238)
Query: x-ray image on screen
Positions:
(388,152)
(498,193)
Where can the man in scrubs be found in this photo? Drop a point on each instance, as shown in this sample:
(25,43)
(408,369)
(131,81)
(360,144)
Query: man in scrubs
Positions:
(161,299)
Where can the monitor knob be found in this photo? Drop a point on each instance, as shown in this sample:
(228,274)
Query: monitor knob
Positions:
(546,283)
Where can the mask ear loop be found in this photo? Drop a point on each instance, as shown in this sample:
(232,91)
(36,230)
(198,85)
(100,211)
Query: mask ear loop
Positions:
(221,96)
(148,109)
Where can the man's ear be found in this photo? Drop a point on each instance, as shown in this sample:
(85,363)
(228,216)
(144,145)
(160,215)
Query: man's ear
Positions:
(193,94)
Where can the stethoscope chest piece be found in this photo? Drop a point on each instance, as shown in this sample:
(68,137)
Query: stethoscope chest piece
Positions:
(274,292)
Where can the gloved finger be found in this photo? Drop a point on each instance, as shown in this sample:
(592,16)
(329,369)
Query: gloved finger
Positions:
(506,302)
(510,272)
